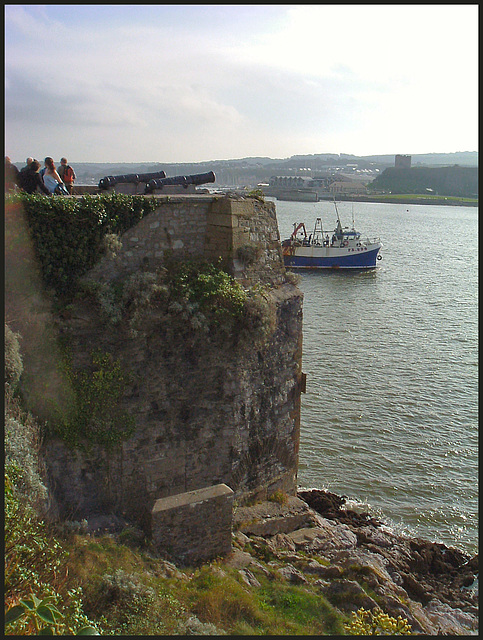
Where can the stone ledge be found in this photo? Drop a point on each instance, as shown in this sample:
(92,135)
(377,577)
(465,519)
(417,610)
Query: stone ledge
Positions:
(191,497)
(269,518)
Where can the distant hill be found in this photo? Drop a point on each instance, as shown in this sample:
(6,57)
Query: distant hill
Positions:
(444,181)
(252,170)
(466,158)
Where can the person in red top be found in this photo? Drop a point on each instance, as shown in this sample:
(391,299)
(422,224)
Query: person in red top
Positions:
(67,174)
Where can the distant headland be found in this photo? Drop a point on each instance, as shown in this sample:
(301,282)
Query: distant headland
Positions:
(252,171)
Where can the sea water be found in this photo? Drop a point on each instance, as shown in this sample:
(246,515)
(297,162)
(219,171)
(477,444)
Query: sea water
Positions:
(389,418)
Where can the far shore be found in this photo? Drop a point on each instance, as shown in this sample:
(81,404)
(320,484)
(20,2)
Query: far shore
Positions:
(453,201)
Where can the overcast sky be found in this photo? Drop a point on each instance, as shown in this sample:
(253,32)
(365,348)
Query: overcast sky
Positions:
(189,83)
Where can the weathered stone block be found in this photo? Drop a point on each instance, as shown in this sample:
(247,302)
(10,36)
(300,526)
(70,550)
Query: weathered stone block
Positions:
(128,188)
(222,220)
(194,527)
(243,208)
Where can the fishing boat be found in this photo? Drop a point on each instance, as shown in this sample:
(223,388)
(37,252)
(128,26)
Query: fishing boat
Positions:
(344,249)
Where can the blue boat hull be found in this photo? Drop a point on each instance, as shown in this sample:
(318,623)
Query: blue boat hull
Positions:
(362,260)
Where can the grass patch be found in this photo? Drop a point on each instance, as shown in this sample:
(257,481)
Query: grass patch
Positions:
(127,593)
(221,600)
(298,611)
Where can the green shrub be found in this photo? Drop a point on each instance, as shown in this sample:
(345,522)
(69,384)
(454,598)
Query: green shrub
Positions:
(43,617)
(34,563)
(212,301)
(96,415)
(68,233)
(13,359)
(199,286)
(140,292)
(127,590)
(280,497)
(22,443)
(257,194)
(31,557)
(125,603)
(22,435)
(378,623)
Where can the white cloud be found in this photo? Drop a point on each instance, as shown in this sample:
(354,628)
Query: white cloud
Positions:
(241,80)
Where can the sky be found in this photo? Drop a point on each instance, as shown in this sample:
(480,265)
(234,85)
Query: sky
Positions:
(193,83)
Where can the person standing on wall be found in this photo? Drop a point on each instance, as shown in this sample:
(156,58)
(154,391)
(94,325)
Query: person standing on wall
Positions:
(51,178)
(28,162)
(30,181)
(11,175)
(67,174)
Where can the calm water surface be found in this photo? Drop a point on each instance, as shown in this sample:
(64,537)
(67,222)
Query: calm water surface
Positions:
(390,414)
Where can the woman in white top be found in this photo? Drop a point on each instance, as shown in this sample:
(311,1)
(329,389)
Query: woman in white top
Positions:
(51,177)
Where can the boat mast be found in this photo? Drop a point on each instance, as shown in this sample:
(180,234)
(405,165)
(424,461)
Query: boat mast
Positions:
(338,218)
(318,228)
(337,211)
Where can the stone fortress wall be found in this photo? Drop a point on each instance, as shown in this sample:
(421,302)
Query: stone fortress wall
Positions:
(205,416)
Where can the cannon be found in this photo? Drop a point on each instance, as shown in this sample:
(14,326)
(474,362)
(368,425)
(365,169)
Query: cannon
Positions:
(183,181)
(110,181)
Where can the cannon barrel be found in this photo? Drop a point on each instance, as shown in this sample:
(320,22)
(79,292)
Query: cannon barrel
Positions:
(110,181)
(183,181)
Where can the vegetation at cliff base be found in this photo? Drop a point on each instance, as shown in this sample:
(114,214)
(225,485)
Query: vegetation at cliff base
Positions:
(129,591)
(36,578)
(369,623)
(62,580)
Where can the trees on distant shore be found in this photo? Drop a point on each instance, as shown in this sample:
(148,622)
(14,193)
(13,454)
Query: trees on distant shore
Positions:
(443,181)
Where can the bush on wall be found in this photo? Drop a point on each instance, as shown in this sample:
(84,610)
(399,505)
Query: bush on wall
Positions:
(195,296)
(96,415)
(68,233)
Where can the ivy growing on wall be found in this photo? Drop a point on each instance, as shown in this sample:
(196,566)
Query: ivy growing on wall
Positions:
(207,288)
(194,297)
(96,415)
(68,233)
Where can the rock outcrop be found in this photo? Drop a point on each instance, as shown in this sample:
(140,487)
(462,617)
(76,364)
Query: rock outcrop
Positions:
(358,562)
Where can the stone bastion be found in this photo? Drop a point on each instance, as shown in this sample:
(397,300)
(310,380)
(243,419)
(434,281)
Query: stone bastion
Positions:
(215,426)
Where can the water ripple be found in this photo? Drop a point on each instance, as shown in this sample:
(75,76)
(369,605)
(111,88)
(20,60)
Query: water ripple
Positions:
(390,413)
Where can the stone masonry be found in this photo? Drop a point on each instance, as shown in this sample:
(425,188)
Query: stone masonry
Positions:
(206,413)
(202,520)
